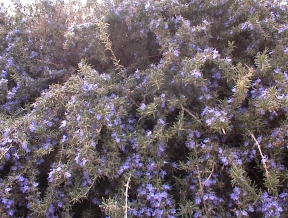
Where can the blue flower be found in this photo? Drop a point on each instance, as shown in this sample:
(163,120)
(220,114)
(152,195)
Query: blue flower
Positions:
(148,133)
(163,173)
(63,123)
(197,200)
(142,106)
(235,194)
(87,87)
(196,74)
(98,117)
(191,144)
(11,213)
(162,122)
(24,188)
(67,175)
(176,53)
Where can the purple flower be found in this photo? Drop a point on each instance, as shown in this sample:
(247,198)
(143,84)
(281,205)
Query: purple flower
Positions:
(176,53)
(50,175)
(147,5)
(163,173)
(93,144)
(117,140)
(63,123)
(251,209)
(270,206)
(235,194)
(80,161)
(228,59)
(196,74)
(167,187)
(190,144)
(64,138)
(33,54)
(60,204)
(197,133)
(282,28)
(148,133)
(67,175)
(161,149)
(7,203)
(244,213)
(216,75)
(21,178)
(148,212)
(11,213)
(162,122)
(87,87)
(142,106)
(238,161)
(33,126)
(150,187)
(174,165)
(141,191)
(98,117)
(24,188)
(197,200)
(7,190)
(25,147)
(51,209)
(45,146)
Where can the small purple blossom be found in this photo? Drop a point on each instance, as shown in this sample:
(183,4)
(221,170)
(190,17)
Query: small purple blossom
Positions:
(216,75)
(225,161)
(24,188)
(63,123)
(148,133)
(235,194)
(142,106)
(98,117)
(176,53)
(67,175)
(196,74)
(197,200)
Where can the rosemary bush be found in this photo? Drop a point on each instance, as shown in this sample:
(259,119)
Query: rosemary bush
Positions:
(144,109)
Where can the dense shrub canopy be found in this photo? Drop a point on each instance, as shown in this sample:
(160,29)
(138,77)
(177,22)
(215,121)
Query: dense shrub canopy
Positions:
(144,109)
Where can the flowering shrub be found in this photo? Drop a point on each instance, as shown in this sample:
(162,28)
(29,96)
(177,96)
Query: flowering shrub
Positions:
(144,109)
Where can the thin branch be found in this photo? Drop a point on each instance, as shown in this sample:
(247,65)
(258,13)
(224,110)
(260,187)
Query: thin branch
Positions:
(183,108)
(51,63)
(4,153)
(104,36)
(262,156)
(210,174)
(126,196)
(200,181)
